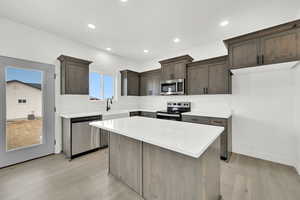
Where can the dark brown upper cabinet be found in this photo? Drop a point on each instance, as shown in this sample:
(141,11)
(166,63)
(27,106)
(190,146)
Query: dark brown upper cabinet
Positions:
(74,75)
(279,47)
(150,83)
(298,42)
(197,79)
(174,68)
(219,77)
(210,76)
(244,54)
(130,83)
(268,46)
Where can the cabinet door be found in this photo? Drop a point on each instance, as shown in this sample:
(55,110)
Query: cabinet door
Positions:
(168,72)
(218,78)
(156,84)
(196,119)
(179,70)
(143,85)
(279,47)
(123,83)
(103,138)
(133,84)
(77,78)
(244,54)
(130,162)
(148,114)
(197,79)
(298,43)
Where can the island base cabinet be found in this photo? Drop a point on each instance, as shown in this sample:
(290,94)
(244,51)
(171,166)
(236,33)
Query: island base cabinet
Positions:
(125,158)
(171,176)
(156,173)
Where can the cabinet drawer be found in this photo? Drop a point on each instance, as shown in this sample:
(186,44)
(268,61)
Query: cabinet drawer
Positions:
(195,119)
(148,114)
(135,113)
(218,122)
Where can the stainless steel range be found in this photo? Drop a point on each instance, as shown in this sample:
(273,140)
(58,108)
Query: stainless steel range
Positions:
(174,110)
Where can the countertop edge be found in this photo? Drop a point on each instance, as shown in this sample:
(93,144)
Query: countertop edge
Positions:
(194,155)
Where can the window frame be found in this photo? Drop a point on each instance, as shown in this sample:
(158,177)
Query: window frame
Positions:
(114,92)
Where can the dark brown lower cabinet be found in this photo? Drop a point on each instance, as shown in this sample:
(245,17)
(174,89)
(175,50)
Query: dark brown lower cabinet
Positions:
(125,160)
(226,137)
(134,113)
(143,114)
(148,114)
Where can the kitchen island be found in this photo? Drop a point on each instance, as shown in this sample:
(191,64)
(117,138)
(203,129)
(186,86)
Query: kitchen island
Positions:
(165,160)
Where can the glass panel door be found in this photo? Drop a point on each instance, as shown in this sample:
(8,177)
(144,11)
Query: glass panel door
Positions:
(24,120)
(27,104)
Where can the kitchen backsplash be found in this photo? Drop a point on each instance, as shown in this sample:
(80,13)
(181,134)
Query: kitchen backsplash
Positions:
(206,103)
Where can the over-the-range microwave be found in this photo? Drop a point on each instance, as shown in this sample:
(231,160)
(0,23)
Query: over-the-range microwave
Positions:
(172,87)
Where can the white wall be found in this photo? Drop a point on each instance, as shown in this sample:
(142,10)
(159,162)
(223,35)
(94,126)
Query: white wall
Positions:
(24,42)
(263,122)
(33,97)
(296,91)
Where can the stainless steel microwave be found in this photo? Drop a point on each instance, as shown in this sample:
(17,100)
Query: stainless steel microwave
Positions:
(172,87)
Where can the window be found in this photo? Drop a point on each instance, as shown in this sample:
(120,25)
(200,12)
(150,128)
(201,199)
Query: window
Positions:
(101,86)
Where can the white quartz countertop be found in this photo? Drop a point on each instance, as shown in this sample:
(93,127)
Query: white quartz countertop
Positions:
(111,112)
(185,138)
(216,114)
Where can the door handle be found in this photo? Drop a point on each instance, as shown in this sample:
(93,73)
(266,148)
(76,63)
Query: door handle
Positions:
(262,59)
(257,60)
(203,90)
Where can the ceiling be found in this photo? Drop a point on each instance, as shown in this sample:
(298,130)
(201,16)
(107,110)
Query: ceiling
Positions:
(129,28)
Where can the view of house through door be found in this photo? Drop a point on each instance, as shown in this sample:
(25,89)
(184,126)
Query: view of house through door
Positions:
(27,110)
(24,120)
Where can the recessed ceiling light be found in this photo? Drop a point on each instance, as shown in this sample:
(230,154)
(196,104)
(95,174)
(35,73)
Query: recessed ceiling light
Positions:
(108,49)
(91,26)
(224,23)
(123,0)
(176,40)
(146,51)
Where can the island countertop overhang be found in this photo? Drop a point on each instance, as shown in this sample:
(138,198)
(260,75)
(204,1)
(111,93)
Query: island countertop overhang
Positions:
(185,138)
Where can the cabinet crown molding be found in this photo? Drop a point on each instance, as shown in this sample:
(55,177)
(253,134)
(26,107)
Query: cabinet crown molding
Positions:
(210,60)
(175,59)
(263,32)
(63,58)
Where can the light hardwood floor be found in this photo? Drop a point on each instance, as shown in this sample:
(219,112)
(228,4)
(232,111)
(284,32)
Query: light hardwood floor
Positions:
(85,178)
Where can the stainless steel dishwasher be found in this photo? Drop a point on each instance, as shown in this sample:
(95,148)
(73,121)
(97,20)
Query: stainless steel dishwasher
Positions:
(79,137)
